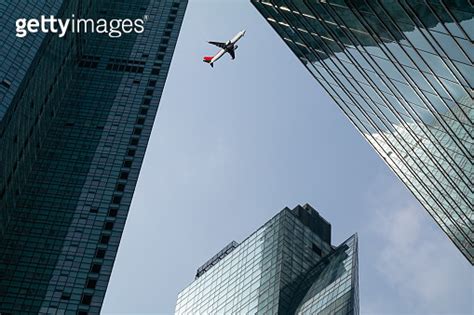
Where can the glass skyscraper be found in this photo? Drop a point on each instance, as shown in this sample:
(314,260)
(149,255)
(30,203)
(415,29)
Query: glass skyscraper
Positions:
(402,72)
(288,266)
(76,114)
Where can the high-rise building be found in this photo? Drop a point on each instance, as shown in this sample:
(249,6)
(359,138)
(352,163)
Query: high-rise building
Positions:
(402,71)
(76,113)
(288,266)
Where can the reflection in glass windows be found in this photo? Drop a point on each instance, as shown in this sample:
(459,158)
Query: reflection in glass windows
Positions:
(288,266)
(74,127)
(402,72)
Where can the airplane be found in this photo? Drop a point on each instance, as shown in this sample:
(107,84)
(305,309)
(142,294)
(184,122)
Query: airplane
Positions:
(227,47)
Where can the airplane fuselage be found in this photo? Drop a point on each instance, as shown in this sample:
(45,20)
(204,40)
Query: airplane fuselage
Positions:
(236,38)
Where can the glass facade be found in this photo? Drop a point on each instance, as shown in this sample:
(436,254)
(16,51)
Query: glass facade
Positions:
(402,72)
(76,114)
(288,266)
(17,55)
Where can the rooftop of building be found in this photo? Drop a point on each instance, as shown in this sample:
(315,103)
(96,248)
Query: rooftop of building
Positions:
(306,214)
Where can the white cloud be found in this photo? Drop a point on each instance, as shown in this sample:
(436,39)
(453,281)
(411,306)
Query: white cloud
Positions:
(417,261)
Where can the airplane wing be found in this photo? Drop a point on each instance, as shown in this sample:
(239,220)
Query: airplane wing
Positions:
(218,44)
(232,53)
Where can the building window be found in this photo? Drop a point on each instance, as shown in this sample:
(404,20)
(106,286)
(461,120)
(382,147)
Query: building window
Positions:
(6,83)
(152,83)
(134,141)
(66,296)
(86,299)
(100,253)
(108,226)
(104,239)
(120,187)
(113,212)
(116,199)
(127,163)
(131,152)
(123,175)
(149,92)
(96,268)
(91,283)
(316,249)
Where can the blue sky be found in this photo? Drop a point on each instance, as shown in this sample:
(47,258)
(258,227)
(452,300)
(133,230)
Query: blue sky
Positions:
(233,145)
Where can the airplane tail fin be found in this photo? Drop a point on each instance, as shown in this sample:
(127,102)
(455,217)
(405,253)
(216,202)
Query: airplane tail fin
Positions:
(208,59)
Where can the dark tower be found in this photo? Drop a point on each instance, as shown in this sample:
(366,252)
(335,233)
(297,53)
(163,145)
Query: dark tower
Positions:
(76,115)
